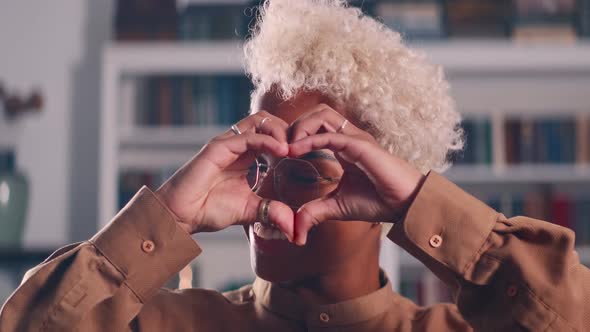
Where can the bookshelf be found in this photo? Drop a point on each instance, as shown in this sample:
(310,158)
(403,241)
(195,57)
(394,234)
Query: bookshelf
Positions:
(494,79)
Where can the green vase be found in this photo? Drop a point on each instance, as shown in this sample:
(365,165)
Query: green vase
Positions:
(14,199)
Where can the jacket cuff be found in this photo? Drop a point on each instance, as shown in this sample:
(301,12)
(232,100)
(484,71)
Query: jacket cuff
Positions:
(144,242)
(445,228)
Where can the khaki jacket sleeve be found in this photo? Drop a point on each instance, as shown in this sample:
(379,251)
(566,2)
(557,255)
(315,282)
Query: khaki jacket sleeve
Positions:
(508,274)
(101,284)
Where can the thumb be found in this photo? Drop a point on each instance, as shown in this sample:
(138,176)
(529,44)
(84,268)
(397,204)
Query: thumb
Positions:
(279,214)
(314,213)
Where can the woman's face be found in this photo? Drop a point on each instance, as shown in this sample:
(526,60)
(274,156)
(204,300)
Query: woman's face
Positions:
(331,244)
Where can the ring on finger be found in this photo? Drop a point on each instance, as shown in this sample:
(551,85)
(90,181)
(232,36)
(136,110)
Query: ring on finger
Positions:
(235,129)
(263,211)
(341,128)
(262,123)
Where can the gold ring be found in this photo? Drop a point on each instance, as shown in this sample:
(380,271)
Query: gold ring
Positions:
(263,211)
(262,122)
(339,130)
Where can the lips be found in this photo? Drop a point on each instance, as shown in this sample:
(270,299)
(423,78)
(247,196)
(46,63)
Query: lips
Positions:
(270,241)
(268,233)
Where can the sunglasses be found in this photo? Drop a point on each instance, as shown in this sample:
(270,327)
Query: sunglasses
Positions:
(295,181)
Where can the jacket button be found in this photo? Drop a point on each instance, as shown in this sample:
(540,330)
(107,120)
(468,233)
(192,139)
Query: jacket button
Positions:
(148,246)
(435,241)
(511,291)
(324,317)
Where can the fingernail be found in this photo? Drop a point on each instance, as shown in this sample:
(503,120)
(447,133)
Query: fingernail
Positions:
(301,241)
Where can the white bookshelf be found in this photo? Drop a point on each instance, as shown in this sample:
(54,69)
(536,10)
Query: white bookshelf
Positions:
(494,79)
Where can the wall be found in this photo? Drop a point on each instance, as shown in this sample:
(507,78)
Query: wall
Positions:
(55,45)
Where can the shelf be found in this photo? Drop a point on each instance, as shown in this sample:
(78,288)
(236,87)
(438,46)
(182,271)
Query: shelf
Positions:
(213,57)
(518,174)
(154,159)
(169,136)
(156,148)
(489,56)
(471,56)
(410,262)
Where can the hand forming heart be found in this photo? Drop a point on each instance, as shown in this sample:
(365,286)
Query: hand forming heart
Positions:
(210,192)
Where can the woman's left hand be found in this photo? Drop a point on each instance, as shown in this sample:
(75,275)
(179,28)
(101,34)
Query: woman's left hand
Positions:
(376,186)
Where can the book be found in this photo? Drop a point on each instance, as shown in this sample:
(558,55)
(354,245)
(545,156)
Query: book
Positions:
(477,18)
(582,154)
(544,20)
(224,21)
(561,210)
(581,220)
(478,142)
(413,19)
(164,101)
(177,102)
(546,140)
(145,20)
(512,130)
(527,141)
(128,101)
(583,18)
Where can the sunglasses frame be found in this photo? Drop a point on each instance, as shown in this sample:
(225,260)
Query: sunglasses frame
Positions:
(261,175)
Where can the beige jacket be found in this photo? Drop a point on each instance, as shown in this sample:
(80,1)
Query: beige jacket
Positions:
(508,275)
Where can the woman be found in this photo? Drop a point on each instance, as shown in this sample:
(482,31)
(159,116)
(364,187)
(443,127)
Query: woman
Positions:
(348,128)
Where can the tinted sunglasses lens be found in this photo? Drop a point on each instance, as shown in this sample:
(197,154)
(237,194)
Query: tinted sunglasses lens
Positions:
(296,181)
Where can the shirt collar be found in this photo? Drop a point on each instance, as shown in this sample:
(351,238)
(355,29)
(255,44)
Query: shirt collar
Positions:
(285,303)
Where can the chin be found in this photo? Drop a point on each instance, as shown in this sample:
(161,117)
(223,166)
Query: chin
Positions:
(277,268)
(278,273)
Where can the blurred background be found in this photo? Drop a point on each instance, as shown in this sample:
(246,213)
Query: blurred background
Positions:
(98,98)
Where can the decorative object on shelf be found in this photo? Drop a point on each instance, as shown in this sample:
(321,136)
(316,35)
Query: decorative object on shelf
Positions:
(14,186)
(14,104)
(14,200)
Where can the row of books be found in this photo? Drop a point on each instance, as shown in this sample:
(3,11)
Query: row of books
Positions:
(478,142)
(416,19)
(568,209)
(559,140)
(185,100)
(540,141)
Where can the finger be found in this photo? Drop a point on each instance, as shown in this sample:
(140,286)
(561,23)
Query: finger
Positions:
(224,152)
(314,213)
(279,214)
(274,126)
(322,116)
(349,148)
(270,127)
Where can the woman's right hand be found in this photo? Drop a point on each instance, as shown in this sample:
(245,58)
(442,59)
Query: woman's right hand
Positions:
(210,192)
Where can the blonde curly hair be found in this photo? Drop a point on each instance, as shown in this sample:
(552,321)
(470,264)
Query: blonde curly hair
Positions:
(391,90)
